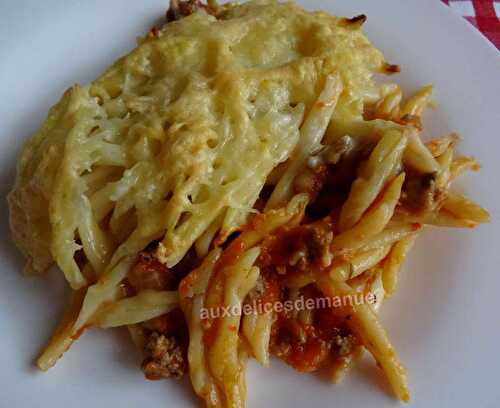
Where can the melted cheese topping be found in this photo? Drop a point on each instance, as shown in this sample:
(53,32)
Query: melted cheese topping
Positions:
(180,135)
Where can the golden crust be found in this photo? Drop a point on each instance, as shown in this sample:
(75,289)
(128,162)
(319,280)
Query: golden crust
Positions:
(185,130)
(37,169)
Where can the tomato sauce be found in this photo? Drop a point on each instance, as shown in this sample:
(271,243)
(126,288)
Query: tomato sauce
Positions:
(305,346)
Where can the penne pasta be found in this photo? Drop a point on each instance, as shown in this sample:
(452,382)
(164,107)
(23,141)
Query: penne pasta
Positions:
(366,325)
(311,134)
(462,208)
(393,262)
(374,221)
(375,173)
(146,305)
(416,104)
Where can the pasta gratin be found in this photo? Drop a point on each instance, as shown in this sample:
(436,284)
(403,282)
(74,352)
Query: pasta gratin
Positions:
(241,155)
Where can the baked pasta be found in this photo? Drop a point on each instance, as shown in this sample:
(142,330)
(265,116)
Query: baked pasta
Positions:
(238,186)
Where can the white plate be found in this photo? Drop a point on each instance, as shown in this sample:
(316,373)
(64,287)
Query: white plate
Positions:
(443,320)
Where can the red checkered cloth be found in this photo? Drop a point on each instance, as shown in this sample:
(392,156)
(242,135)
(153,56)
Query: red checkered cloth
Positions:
(484,14)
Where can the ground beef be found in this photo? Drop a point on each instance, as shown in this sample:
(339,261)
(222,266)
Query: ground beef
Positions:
(179,9)
(166,335)
(149,273)
(420,193)
(299,346)
(309,347)
(164,358)
(313,247)
(318,241)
